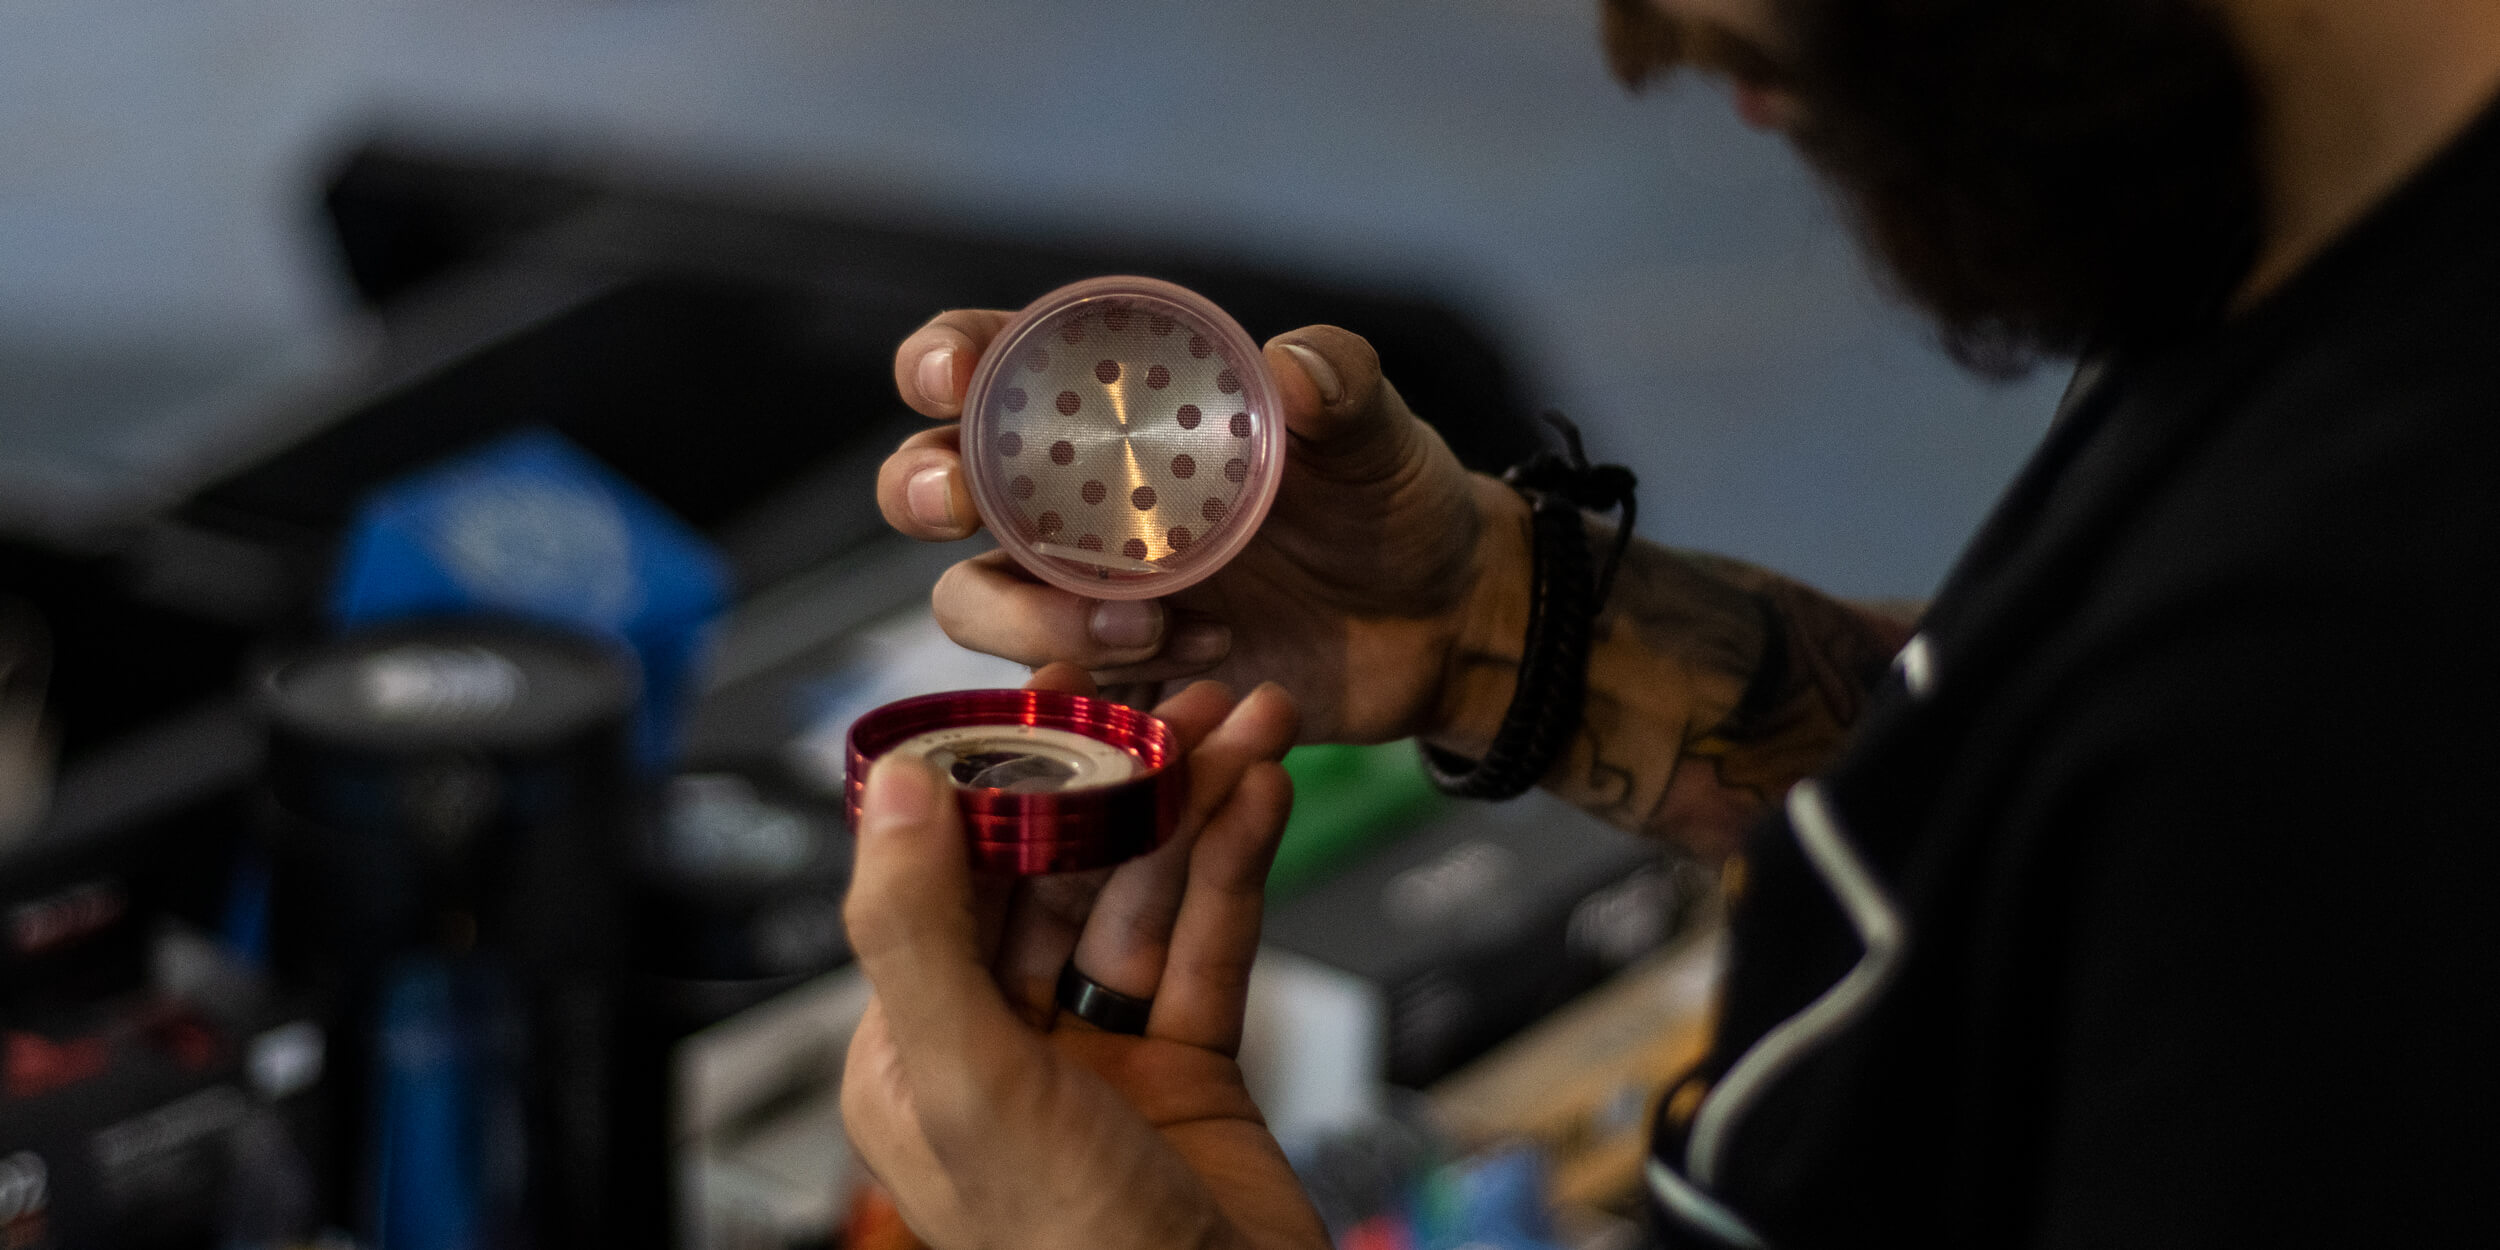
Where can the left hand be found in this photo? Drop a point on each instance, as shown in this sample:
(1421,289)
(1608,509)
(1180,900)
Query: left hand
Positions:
(997,1124)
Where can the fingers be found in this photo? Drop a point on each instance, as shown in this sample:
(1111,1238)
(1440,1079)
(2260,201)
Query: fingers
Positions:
(1206,975)
(1349,423)
(921,488)
(1129,693)
(922,491)
(1124,941)
(1260,727)
(1042,927)
(1063,677)
(1147,886)
(1335,398)
(1049,912)
(1196,714)
(1330,379)
(990,604)
(935,362)
(911,914)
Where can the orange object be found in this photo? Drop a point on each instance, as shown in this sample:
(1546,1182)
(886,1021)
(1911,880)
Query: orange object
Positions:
(875,1223)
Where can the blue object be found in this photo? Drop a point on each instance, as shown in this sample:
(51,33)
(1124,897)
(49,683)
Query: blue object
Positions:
(445,1159)
(531,526)
(1495,1201)
(244,924)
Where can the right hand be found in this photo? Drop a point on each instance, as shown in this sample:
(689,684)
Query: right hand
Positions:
(997,1120)
(1352,596)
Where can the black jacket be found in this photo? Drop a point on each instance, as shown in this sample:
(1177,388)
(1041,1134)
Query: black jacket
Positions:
(2173,842)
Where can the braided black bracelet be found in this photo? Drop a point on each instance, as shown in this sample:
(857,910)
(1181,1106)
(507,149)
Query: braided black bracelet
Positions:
(1563,603)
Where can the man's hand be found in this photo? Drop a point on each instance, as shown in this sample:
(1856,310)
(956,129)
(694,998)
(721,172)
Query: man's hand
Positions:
(1389,591)
(1352,595)
(994,1123)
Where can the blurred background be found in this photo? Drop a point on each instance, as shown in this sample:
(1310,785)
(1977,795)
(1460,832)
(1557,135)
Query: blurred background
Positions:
(290,290)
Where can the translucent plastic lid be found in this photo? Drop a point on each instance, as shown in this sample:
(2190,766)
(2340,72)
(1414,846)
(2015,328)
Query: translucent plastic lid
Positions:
(1122,438)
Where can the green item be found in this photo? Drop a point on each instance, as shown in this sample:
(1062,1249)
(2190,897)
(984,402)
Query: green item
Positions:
(1348,800)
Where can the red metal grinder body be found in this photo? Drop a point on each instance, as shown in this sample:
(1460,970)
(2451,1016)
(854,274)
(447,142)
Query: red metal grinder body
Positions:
(1048,782)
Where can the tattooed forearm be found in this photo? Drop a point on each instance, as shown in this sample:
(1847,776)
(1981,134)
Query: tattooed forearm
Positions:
(1713,686)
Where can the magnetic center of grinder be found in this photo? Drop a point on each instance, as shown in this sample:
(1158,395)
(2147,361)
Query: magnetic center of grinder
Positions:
(1021,759)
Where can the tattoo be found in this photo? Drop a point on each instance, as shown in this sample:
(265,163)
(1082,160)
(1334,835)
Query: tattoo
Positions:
(1824,657)
(1713,686)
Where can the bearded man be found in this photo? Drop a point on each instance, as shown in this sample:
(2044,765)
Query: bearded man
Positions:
(2131,895)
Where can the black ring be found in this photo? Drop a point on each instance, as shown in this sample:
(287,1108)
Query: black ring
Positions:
(1099,1005)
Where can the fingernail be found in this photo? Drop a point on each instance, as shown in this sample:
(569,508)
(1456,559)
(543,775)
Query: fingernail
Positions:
(1200,642)
(937,375)
(900,790)
(932,499)
(1323,376)
(1126,622)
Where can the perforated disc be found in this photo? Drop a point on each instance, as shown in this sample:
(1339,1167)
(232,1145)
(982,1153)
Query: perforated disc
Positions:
(1122,438)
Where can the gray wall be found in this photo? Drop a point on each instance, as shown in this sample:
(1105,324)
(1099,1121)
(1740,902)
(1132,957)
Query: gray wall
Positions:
(1670,278)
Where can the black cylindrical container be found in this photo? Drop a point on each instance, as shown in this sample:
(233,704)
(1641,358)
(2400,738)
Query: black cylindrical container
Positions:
(741,901)
(744,881)
(456,817)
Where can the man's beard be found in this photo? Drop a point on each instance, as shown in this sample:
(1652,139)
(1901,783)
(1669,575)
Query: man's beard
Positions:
(2044,177)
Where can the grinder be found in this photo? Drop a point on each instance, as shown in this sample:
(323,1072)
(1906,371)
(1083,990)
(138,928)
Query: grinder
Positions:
(1048,782)
(1123,440)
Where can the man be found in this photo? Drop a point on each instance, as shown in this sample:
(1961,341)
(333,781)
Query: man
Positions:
(2137,901)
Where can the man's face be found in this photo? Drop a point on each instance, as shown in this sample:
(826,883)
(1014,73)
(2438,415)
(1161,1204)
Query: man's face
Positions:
(2040,176)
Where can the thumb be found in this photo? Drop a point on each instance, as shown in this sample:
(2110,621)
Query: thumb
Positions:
(1341,411)
(910,910)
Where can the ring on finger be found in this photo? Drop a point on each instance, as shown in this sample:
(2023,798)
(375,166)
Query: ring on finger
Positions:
(1099,1005)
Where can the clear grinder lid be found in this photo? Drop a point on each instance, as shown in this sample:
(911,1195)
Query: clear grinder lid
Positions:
(1122,438)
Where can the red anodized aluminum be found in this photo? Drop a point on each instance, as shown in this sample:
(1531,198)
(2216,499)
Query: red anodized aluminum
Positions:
(1032,834)
(1122,438)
